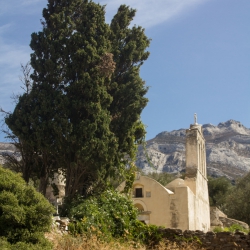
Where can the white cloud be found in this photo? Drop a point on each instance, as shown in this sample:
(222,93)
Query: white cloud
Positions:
(28,7)
(152,12)
(149,13)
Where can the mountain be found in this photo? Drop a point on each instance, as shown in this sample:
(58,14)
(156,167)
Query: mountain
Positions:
(5,148)
(227,150)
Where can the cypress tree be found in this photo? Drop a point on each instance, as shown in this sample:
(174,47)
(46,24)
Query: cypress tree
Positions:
(82,115)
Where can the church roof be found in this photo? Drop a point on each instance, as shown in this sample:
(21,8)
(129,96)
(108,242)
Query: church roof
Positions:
(176,183)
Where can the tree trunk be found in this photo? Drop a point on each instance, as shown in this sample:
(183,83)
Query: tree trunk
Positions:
(43,185)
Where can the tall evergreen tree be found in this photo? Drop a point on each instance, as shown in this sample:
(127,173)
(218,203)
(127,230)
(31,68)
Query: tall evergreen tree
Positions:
(237,204)
(82,115)
(127,89)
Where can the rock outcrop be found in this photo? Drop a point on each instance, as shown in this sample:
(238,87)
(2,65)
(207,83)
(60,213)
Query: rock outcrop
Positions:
(219,219)
(227,150)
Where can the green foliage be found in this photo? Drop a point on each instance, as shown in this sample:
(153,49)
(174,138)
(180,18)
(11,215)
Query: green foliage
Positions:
(218,189)
(188,239)
(232,229)
(82,113)
(43,245)
(218,229)
(163,178)
(4,244)
(232,200)
(146,234)
(130,178)
(110,215)
(24,213)
(237,205)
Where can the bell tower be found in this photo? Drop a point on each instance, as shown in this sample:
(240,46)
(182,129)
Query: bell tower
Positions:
(196,174)
(195,151)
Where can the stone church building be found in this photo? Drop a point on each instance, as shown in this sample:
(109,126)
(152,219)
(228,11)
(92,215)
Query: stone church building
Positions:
(183,203)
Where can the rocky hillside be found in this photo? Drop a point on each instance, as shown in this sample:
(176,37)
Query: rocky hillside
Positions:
(227,150)
(5,148)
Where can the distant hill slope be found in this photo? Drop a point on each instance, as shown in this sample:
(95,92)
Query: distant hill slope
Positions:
(5,148)
(227,150)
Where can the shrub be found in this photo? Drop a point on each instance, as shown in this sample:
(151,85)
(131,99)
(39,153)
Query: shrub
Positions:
(218,189)
(237,205)
(5,245)
(24,213)
(236,227)
(233,228)
(111,215)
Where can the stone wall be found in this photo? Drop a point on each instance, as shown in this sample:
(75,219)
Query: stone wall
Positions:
(209,240)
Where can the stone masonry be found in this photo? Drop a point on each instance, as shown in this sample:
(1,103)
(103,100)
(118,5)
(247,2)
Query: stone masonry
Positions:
(209,240)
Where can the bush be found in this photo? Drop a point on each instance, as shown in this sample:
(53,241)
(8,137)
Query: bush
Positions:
(110,215)
(218,189)
(233,228)
(5,245)
(237,205)
(24,213)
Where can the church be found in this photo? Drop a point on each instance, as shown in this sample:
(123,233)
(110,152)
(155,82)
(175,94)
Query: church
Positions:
(183,203)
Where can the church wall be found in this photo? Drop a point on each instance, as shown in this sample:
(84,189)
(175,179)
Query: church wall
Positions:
(191,207)
(183,208)
(202,211)
(202,204)
(179,208)
(157,204)
(191,183)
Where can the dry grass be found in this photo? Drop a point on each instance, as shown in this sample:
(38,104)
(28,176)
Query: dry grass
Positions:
(67,242)
(167,245)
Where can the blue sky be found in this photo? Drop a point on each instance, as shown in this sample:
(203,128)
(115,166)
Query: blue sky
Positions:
(199,62)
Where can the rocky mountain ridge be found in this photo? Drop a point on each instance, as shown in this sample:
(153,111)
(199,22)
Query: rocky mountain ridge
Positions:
(227,150)
(5,148)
